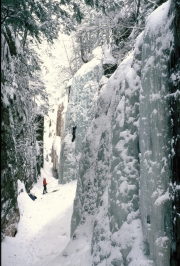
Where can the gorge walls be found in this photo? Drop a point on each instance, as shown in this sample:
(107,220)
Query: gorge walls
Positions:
(21,131)
(127,199)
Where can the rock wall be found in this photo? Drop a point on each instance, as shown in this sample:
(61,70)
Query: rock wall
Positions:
(174,82)
(20,124)
(60,120)
(55,153)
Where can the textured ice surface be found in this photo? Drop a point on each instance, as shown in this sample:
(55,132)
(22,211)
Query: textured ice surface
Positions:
(155,135)
(82,100)
(108,187)
(122,196)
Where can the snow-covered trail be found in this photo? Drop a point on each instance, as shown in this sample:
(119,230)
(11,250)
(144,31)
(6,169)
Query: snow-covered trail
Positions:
(44,227)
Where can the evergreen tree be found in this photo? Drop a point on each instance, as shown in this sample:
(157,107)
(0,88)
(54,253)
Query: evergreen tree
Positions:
(40,19)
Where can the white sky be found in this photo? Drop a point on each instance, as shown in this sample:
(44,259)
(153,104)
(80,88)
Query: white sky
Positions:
(55,57)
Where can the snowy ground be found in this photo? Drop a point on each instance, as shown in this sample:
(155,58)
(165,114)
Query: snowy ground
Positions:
(44,227)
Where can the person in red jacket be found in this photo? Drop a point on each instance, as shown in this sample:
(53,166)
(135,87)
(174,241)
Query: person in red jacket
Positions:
(44,184)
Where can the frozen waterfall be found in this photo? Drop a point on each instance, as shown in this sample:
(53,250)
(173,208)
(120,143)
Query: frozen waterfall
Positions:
(122,209)
(83,94)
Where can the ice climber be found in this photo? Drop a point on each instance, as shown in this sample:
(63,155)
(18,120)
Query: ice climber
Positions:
(44,184)
(74,133)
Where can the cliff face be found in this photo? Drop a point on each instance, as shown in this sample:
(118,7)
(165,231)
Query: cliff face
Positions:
(174,72)
(55,153)
(128,179)
(83,93)
(155,135)
(21,132)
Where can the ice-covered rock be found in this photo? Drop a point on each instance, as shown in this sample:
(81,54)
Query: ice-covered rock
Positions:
(155,134)
(123,207)
(83,92)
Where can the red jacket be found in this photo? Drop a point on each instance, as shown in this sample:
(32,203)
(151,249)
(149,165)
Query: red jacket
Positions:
(44,182)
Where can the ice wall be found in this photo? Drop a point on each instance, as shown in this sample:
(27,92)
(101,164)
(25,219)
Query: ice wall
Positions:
(122,208)
(82,100)
(106,226)
(108,188)
(155,135)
